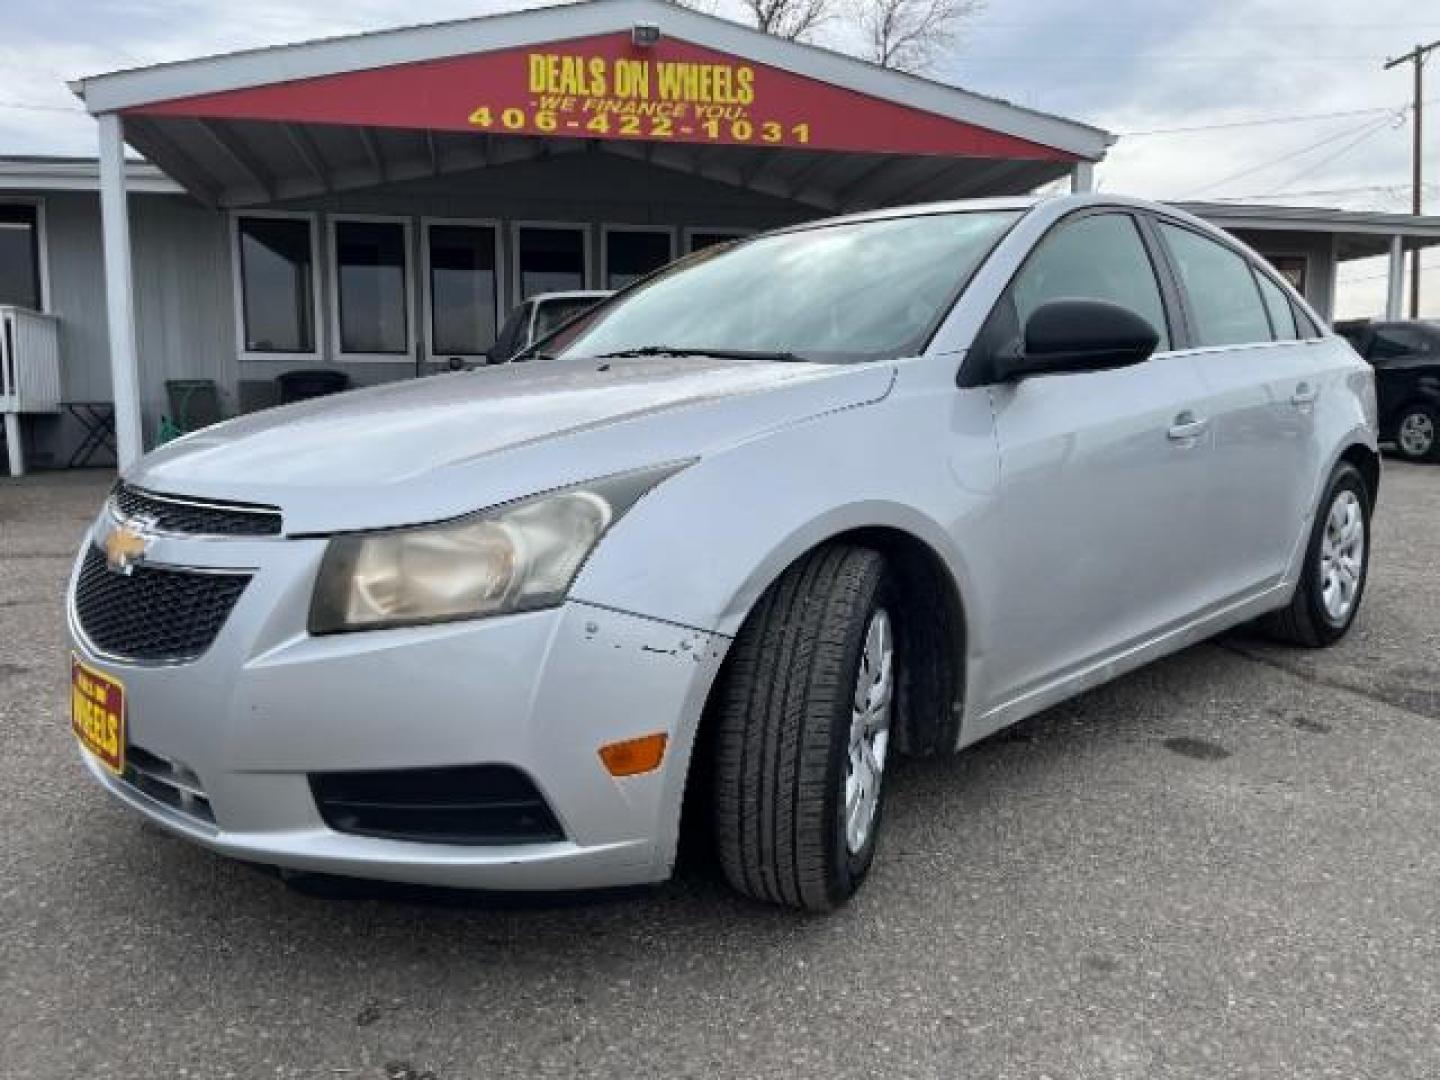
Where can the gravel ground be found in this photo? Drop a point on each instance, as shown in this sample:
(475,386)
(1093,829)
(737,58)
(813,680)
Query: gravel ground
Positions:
(1224,865)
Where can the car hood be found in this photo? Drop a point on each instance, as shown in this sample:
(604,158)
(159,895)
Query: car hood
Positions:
(436,447)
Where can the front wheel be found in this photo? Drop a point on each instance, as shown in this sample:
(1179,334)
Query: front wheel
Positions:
(803,731)
(1337,562)
(1417,434)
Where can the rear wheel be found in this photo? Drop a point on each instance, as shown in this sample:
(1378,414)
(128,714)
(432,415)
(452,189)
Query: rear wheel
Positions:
(803,732)
(1417,434)
(1337,561)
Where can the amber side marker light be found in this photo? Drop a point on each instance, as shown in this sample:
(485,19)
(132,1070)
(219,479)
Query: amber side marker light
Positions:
(634,756)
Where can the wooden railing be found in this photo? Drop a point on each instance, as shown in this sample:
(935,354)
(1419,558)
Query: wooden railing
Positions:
(29,373)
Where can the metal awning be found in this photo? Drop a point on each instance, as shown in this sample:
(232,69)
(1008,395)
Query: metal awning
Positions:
(1359,234)
(773,116)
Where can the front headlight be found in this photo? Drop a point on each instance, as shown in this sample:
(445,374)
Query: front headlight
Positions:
(517,557)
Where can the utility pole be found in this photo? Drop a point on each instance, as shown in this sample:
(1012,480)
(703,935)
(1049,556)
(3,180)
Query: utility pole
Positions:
(1417,57)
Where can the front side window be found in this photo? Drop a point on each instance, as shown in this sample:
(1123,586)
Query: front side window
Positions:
(277,286)
(1098,257)
(551,260)
(1225,303)
(557,312)
(371,286)
(1395,342)
(853,291)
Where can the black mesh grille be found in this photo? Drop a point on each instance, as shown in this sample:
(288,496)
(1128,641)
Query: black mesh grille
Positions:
(471,804)
(197,516)
(153,614)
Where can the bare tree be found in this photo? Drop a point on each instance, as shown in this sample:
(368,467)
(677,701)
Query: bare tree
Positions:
(910,34)
(794,20)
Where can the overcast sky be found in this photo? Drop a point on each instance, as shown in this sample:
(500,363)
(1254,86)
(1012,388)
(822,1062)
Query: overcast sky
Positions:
(1130,66)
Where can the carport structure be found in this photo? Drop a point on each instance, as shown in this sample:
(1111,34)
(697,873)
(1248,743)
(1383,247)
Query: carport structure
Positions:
(800,130)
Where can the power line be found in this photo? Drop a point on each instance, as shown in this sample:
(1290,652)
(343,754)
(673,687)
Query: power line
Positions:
(36,107)
(1377,277)
(1364,136)
(1398,188)
(1292,118)
(1328,140)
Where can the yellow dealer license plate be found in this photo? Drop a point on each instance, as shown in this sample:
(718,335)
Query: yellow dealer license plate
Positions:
(97,713)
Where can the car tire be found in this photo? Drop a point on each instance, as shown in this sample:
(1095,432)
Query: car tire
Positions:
(1332,581)
(786,760)
(1417,433)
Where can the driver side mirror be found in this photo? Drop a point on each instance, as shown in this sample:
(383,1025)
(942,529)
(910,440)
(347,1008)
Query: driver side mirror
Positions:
(1066,337)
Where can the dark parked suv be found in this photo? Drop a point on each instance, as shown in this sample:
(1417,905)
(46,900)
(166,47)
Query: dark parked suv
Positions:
(1406,358)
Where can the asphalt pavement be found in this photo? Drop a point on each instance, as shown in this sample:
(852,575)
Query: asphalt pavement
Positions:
(1225,865)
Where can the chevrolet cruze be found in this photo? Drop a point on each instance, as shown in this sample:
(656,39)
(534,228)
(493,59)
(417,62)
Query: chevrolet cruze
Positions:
(728,543)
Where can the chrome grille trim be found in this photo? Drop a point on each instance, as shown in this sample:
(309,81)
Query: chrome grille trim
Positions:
(174,515)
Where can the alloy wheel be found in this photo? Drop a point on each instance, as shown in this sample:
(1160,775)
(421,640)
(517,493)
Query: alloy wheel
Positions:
(1417,434)
(869,731)
(1342,556)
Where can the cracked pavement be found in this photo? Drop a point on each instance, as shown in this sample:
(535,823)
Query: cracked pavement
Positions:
(1224,865)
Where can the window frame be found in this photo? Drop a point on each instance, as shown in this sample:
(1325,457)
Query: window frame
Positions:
(427,311)
(976,370)
(609,229)
(689,232)
(333,266)
(237,288)
(42,243)
(517,280)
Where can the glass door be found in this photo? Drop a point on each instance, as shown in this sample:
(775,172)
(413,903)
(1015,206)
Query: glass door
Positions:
(462,287)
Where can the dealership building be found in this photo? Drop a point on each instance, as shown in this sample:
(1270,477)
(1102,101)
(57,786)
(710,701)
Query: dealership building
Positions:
(373,205)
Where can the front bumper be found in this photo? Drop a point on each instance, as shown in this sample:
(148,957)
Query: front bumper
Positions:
(267,705)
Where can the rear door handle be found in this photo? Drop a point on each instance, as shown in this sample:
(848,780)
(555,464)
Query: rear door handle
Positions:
(1305,394)
(1188,426)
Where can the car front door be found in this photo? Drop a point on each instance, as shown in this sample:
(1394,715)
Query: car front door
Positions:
(1099,473)
(1262,382)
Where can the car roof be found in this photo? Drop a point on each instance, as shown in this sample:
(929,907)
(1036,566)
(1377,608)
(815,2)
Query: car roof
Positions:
(1055,205)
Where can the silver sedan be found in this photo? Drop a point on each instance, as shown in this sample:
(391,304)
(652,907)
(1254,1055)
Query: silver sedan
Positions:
(871,486)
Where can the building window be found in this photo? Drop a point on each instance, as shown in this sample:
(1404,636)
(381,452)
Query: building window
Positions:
(20,255)
(550,258)
(700,239)
(277,284)
(372,286)
(464,288)
(630,254)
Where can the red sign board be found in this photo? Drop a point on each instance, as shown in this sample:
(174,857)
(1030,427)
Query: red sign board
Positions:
(606,87)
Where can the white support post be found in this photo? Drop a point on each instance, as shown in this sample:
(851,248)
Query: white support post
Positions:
(119,291)
(14,448)
(1395,280)
(1082,177)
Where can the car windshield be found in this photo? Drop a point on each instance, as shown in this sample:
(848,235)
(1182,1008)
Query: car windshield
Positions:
(868,290)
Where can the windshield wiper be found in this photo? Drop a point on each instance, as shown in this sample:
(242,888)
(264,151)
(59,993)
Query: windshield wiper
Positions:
(718,354)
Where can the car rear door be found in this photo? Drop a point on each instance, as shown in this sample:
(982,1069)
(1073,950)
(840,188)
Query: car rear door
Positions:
(1099,472)
(1262,372)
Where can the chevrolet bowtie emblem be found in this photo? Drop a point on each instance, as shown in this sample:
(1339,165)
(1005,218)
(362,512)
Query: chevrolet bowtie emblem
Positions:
(126,546)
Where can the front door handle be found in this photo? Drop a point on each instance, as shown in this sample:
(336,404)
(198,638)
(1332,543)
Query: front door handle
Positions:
(1305,394)
(1188,427)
